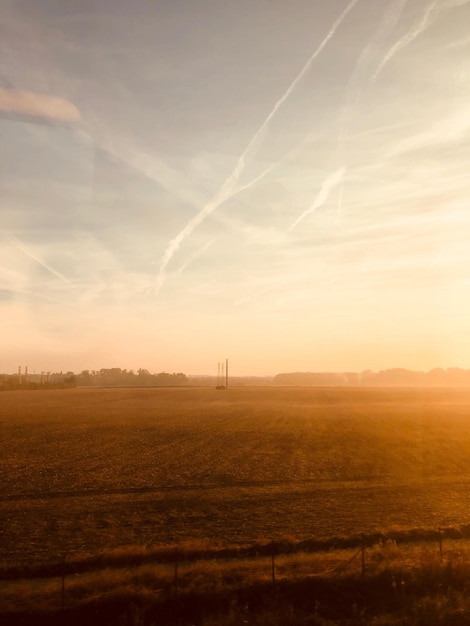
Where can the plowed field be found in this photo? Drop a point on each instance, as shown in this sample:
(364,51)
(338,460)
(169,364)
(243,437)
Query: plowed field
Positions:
(90,469)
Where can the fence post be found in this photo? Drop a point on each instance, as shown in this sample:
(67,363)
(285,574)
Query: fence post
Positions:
(273,568)
(363,559)
(176,572)
(62,593)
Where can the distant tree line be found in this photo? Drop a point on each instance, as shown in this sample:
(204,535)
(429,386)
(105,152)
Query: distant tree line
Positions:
(113,377)
(44,380)
(396,377)
(117,377)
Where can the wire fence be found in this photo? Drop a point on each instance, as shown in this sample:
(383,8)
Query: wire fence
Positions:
(272,561)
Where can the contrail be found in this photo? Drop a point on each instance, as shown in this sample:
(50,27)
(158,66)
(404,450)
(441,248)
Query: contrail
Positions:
(292,152)
(365,60)
(255,180)
(227,188)
(329,183)
(195,256)
(406,39)
(419,28)
(28,252)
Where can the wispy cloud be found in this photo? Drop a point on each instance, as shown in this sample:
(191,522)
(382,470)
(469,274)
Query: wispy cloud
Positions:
(195,256)
(148,163)
(38,105)
(451,129)
(410,36)
(228,187)
(80,264)
(368,55)
(272,287)
(328,185)
(462,43)
(26,250)
(357,80)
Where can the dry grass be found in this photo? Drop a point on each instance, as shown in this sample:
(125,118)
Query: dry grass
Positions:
(409,580)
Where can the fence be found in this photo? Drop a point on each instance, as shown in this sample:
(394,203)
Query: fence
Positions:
(270,562)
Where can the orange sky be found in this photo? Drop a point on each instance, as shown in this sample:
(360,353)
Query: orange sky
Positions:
(182,184)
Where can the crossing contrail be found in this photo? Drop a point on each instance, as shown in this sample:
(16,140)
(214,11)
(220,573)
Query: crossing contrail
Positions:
(291,153)
(195,256)
(362,68)
(357,80)
(228,187)
(434,8)
(366,58)
(328,184)
(407,38)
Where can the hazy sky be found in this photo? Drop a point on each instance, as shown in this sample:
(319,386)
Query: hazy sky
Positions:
(284,184)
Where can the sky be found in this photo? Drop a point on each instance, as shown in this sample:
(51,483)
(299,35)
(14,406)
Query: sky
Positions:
(283,184)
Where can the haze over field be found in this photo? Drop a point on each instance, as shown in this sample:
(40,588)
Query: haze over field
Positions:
(96,468)
(285,184)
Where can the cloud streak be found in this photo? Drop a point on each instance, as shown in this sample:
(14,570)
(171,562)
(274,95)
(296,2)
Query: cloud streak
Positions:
(228,187)
(367,56)
(38,105)
(195,256)
(410,36)
(449,130)
(357,79)
(328,185)
(15,242)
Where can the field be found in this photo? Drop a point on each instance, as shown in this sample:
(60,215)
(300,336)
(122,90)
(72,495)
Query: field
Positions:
(88,470)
